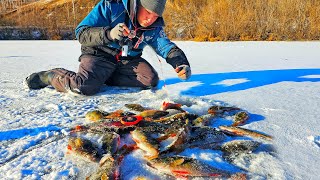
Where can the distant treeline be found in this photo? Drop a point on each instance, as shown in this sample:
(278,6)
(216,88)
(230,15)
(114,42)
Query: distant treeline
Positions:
(55,19)
(200,20)
(35,33)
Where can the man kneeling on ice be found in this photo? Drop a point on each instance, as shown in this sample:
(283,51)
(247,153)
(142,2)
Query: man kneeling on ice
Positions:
(112,38)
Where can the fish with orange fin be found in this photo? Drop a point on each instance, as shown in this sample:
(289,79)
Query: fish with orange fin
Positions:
(234,148)
(217,110)
(143,135)
(180,166)
(153,114)
(204,136)
(169,105)
(118,114)
(203,120)
(240,118)
(107,170)
(136,107)
(238,131)
(102,127)
(109,166)
(110,142)
(196,137)
(83,148)
(145,142)
(147,113)
(184,118)
(239,146)
(97,115)
(178,144)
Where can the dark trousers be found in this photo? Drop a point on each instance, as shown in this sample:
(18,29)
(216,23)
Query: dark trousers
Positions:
(95,71)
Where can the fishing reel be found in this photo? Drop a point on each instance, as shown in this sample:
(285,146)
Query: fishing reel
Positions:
(126,43)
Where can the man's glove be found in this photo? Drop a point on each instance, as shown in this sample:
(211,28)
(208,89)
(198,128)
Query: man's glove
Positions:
(183,71)
(118,32)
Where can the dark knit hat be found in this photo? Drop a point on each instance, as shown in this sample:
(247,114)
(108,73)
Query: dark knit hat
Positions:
(156,6)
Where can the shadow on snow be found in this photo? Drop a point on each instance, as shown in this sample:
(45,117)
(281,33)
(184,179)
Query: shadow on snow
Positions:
(235,81)
(20,133)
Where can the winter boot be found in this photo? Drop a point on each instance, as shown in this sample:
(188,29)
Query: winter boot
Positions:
(39,80)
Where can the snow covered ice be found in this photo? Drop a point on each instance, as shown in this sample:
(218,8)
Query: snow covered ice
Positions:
(278,83)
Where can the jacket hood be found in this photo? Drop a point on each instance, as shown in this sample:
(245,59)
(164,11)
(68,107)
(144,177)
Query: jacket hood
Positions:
(132,8)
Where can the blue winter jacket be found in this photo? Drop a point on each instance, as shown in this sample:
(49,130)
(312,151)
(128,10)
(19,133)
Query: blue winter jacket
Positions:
(93,31)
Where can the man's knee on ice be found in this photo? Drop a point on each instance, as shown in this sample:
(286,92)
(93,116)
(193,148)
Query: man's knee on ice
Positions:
(146,75)
(148,81)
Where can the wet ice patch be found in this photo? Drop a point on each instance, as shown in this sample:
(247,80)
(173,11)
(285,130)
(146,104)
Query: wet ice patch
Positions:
(176,88)
(311,77)
(231,82)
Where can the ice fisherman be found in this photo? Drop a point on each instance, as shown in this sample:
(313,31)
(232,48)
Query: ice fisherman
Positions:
(112,37)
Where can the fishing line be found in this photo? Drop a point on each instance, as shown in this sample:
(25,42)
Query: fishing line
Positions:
(160,62)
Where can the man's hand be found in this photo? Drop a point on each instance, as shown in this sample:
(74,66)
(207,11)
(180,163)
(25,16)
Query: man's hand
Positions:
(119,31)
(183,71)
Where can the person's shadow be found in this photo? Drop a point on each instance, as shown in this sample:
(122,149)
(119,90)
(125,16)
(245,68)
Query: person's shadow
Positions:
(216,83)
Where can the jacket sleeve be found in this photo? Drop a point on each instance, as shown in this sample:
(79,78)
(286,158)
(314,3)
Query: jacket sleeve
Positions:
(167,49)
(95,27)
(176,57)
